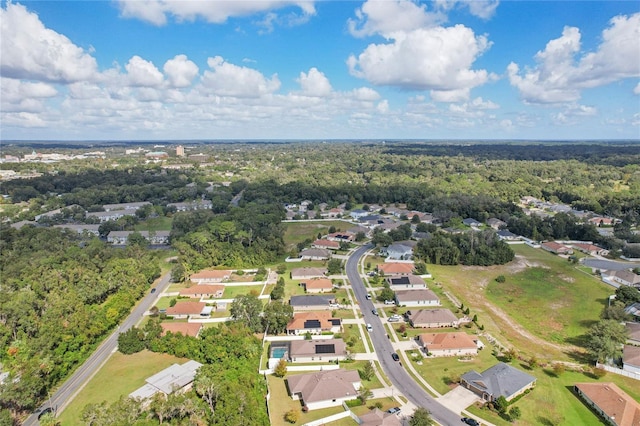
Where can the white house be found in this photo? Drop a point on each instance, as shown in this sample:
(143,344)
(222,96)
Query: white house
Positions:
(631,359)
(417,298)
(324,389)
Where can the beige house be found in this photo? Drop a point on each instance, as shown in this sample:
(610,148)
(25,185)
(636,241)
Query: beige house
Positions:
(613,404)
(317,350)
(418,298)
(184,309)
(448,344)
(210,276)
(314,323)
(322,389)
(377,417)
(307,273)
(185,328)
(318,285)
(499,380)
(396,268)
(203,291)
(326,244)
(432,318)
(406,282)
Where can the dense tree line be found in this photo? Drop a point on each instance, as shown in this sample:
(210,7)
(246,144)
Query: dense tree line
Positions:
(470,248)
(61,295)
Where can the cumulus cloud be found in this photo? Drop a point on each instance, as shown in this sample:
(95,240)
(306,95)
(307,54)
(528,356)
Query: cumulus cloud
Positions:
(17,95)
(437,59)
(314,83)
(483,9)
(558,77)
(143,73)
(158,11)
(227,79)
(636,90)
(180,71)
(32,51)
(388,17)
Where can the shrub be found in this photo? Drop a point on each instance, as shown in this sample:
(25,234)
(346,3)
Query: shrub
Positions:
(558,369)
(599,372)
(500,279)
(281,368)
(292,416)
(172,302)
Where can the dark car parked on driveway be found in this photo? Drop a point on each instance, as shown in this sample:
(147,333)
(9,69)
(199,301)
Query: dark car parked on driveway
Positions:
(470,421)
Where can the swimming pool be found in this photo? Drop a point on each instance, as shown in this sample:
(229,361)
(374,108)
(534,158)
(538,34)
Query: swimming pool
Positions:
(278,352)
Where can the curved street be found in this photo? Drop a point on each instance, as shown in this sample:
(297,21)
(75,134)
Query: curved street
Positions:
(74,384)
(383,348)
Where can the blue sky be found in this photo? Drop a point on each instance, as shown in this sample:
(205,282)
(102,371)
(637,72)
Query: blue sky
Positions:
(269,69)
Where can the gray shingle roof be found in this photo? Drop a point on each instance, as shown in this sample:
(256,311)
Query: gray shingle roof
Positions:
(499,380)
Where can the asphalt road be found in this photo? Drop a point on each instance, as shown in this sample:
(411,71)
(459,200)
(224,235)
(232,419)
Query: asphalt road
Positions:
(382,345)
(85,372)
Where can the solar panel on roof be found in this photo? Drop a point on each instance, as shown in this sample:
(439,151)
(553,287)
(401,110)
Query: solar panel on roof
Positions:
(325,349)
(312,324)
(400,280)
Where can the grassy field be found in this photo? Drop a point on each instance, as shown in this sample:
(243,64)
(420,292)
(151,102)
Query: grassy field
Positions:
(544,297)
(297,232)
(233,292)
(121,375)
(161,223)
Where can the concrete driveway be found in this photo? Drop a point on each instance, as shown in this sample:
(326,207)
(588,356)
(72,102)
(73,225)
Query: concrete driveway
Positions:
(458,399)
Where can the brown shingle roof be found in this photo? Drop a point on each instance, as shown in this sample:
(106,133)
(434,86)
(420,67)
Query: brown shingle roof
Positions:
(377,417)
(441,341)
(186,308)
(210,273)
(185,328)
(631,355)
(415,295)
(430,316)
(395,268)
(613,401)
(326,243)
(299,318)
(634,330)
(303,348)
(325,385)
(318,284)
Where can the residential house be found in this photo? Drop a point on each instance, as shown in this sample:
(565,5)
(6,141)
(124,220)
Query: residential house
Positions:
(396,268)
(625,277)
(472,223)
(314,323)
(377,417)
(311,214)
(176,378)
(326,244)
(358,213)
(209,276)
(417,298)
(432,318)
(499,380)
(322,389)
(496,223)
(506,235)
(601,221)
(389,225)
(317,350)
(81,228)
(591,249)
(185,328)
(154,237)
(406,282)
(634,310)
(612,403)
(306,303)
(203,291)
(307,273)
(448,344)
(111,215)
(290,215)
(631,359)
(332,213)
(125,206)
(398,251)
(633,330)
(315,254)
(341,236)
(318,285)
(192,205)
(556,248)
(357,229)
(185,309)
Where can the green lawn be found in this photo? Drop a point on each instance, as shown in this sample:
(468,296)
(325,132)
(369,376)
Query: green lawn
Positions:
(297,232)
(121,375)
(233,292)
(349,331)
(161,223)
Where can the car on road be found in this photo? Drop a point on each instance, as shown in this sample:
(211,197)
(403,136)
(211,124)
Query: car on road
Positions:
(374,311)
(44,412)
(470,421)
(368,297)
(153,290)
(393,410)
(369,328)
(395,356)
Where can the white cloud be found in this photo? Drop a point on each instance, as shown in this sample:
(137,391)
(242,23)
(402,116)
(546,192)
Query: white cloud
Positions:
(388,17)
(180,71)
(32,51)
(483,9)
(474,108)
(227,79)
(158,11)
(17,95)
(636,90)
(383,107)
(559,78)
(314,83)
(437,59)
(143,73)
